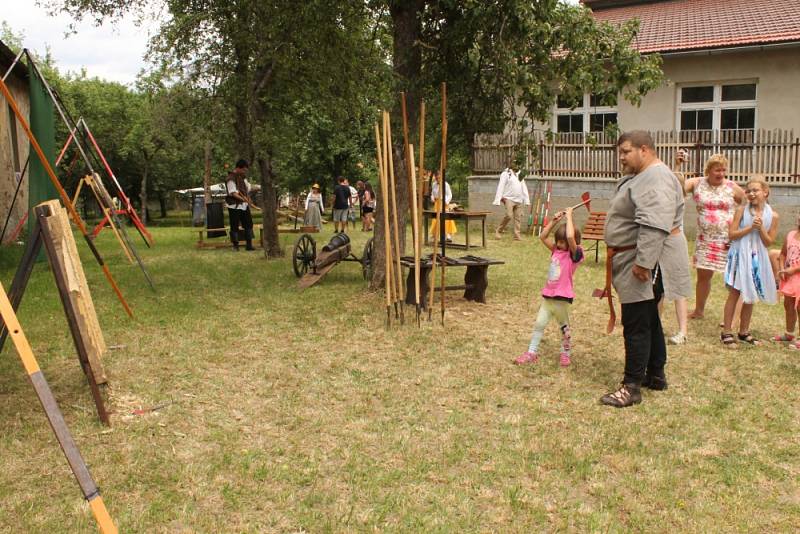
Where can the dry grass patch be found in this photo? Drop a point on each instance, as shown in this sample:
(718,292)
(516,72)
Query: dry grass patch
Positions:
(287,411)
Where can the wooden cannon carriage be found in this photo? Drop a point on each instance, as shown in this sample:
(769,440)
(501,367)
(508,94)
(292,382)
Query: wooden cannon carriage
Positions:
(310,267)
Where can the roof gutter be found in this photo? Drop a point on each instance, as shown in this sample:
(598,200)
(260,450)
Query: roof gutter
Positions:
(729,50)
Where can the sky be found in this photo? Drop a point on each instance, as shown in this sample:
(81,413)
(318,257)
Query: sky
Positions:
(112,52)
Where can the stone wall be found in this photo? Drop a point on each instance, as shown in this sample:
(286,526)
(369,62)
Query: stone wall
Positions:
(785,199)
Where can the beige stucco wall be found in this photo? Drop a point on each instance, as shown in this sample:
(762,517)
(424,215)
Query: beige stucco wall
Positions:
(8,180)
(776,71)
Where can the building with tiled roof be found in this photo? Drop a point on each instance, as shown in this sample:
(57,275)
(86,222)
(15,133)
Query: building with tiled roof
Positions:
(681,25)
(729,65)
(732,73)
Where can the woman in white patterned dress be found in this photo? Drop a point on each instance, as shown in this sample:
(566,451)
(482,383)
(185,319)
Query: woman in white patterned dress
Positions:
(716,199)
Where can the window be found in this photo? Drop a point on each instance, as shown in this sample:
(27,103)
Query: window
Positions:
(717,107)
(590,113)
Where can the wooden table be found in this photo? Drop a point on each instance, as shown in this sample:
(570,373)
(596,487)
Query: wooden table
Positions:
(465,216)
(476,277)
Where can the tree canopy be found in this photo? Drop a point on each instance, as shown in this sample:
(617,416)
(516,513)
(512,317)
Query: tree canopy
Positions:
(298,84)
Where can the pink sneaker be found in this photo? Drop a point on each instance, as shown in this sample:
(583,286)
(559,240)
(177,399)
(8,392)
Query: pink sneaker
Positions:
(527,357)
(565,361)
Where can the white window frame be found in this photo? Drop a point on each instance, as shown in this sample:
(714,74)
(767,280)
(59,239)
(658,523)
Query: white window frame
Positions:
(585,109)
(717,105)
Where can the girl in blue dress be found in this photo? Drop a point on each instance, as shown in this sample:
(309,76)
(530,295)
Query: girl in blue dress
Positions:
(748,272)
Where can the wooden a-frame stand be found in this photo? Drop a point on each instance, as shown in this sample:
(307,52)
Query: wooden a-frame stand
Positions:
(76,463)
(95,186)
(52,229)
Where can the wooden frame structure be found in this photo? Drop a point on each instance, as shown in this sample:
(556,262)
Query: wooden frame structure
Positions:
(52,230)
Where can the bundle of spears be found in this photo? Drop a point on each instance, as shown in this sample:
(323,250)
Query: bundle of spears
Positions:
(394,286)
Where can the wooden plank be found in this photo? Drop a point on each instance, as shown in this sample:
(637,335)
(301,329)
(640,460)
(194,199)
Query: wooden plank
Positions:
(80,298)
(309,279)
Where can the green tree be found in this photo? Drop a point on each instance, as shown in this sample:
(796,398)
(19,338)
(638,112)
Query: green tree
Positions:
(265,59)
(501,56)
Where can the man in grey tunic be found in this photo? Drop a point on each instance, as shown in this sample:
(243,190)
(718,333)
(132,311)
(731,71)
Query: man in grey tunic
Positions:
(645,211)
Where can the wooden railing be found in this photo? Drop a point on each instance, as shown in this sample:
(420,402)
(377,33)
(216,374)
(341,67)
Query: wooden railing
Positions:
(775,154)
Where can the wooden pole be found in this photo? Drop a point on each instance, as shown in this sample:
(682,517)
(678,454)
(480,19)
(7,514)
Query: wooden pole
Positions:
(63,194)
(420,189)
(412,191)
(390,256)
(397,270)
(387,248)
(442,191)
(415,230)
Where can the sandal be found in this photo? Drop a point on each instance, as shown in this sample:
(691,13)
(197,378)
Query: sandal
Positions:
(748,338)
(782,338)
(728,340)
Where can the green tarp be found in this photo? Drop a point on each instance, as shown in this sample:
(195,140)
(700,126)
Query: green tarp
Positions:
(42,122)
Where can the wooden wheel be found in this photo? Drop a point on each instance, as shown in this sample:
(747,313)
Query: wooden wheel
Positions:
(366,260)
(304,255)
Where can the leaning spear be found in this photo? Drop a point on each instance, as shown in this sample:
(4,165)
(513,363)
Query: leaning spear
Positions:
(387,248)
(442,191)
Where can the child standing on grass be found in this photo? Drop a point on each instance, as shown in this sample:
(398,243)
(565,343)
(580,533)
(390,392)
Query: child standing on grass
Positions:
(566,255)
(789,275)
(748,272)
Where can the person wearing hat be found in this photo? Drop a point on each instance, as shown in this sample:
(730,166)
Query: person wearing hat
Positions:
(314,208)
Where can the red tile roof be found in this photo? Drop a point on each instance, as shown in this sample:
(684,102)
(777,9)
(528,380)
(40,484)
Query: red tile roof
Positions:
(675,25)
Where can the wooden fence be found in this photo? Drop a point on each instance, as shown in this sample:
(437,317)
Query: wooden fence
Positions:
(775,154)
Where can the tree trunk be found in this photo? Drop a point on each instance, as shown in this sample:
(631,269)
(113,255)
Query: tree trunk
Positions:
(162,203)
(143,192)
(207,172)
(269,209)
(407,60)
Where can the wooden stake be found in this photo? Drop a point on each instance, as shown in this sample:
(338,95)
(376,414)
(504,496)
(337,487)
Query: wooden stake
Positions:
(387,248)
(398,271)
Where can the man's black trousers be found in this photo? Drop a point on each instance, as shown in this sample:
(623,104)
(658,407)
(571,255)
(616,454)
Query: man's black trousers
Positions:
(245,220)
(645,350)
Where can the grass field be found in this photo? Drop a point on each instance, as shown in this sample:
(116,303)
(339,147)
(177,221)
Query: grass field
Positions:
(289,411)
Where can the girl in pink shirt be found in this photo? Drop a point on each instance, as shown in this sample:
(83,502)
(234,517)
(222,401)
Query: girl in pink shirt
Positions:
(566,255)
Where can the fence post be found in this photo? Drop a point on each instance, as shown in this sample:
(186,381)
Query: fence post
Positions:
(541,157)
(698,147)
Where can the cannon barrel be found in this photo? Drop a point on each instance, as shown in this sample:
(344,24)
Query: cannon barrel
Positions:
(337,241)
(337,249)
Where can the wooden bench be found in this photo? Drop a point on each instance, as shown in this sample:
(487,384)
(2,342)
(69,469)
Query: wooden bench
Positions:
(476,277)
(594,231)
(202,232)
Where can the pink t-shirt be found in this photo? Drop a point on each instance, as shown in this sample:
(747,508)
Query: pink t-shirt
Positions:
(559,276)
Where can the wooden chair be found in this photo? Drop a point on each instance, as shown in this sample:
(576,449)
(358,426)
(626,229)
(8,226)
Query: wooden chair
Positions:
(593,230)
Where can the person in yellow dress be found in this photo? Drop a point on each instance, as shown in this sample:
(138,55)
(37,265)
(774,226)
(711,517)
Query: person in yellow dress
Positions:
(449,225)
